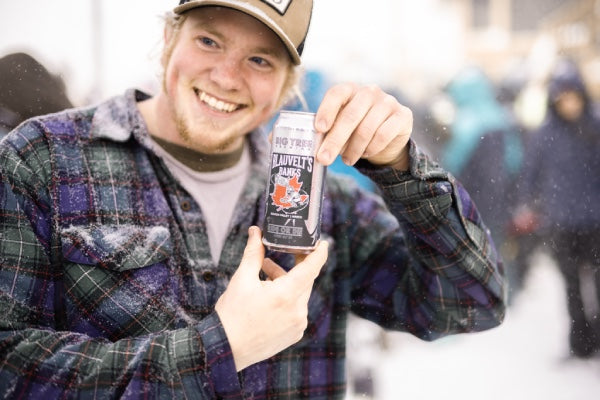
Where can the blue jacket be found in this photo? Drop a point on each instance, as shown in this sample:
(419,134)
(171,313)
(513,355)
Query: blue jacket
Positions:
(478,114)
(484,150)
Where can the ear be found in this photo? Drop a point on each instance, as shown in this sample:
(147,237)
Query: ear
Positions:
(168,33)
(291,87)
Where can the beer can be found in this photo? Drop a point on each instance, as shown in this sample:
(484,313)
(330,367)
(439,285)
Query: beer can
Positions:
(295,189)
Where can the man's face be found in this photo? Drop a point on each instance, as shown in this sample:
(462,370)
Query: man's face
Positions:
(569,105)
(223,78)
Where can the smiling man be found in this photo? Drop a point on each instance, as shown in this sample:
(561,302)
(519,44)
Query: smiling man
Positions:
(131,264)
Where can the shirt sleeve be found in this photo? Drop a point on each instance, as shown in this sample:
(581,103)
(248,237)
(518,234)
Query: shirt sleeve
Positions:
(439,272)
(38,359)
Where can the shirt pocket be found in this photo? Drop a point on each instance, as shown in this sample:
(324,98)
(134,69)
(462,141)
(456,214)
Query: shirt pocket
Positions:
(117,280)
(116,247)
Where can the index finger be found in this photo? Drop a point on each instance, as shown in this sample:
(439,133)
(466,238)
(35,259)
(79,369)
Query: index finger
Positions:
(350,107)
(333,101)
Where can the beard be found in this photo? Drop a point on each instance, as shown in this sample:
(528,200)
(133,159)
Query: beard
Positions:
(198,139)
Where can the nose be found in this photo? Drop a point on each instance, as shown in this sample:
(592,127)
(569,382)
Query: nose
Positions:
(227,74)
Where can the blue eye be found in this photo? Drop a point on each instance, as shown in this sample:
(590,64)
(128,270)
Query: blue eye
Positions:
(260,61)
(207,41)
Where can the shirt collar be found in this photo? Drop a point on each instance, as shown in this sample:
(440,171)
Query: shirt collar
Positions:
(119,118)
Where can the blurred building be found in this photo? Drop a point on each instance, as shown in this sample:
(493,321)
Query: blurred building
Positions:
(575,27)
(498,32)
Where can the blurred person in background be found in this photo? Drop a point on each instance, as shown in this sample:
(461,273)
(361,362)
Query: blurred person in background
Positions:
(518,246)
(130,260)
(560,198)
(484,149)
(28,89)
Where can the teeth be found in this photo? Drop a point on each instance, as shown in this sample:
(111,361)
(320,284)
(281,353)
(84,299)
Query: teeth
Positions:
(218,105)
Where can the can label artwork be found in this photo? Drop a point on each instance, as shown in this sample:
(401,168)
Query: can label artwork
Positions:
(295,188)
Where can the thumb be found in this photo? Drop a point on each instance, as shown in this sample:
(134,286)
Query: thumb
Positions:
(254,253)
(308,269)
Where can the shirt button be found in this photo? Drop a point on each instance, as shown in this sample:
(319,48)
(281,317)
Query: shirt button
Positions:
(208,276)
(186,205)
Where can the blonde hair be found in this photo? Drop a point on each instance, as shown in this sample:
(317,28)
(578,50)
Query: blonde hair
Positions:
(291,88)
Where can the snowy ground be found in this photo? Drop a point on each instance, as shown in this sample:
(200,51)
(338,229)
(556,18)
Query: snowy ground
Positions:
(526,358)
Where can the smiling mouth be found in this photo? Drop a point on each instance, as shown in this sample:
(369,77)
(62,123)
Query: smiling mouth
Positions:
(216,104)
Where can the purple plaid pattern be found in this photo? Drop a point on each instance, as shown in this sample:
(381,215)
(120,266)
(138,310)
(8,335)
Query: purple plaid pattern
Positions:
(107,287)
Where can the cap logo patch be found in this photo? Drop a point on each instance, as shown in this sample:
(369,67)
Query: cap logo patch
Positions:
(280,5)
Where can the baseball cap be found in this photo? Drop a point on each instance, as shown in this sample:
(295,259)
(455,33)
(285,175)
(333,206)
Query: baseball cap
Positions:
(289,19)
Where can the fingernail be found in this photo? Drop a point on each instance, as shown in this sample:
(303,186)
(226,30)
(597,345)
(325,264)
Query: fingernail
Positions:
(324,157)
(321,125)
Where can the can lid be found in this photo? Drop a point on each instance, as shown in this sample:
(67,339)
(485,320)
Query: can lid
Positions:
(300,119)
(296,114)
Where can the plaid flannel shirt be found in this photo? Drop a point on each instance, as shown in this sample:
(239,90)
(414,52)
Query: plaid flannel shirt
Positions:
(107,287)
